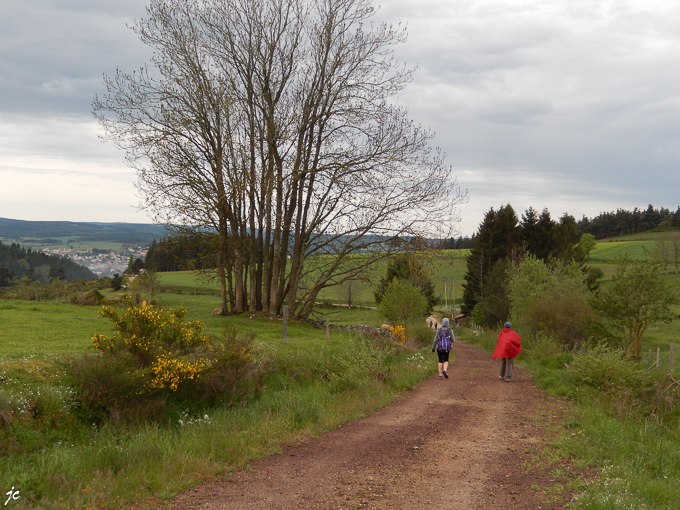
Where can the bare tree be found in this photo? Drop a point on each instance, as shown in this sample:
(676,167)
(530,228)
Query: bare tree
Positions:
(274,124)
(674,240)
(662,251)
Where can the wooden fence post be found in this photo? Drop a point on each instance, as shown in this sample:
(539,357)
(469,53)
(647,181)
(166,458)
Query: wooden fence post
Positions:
(285,323)
(658,356)
(670,360)
(327,330)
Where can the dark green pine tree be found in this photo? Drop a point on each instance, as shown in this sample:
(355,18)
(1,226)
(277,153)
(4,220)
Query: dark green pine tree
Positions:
(6,276)
(495,305)
(544,245)
(498,237)
(57,273)
(530,231)
(117,281)
(565,241)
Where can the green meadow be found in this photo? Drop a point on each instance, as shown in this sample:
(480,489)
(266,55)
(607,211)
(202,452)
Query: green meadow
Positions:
(610,250)
(308,385)
(30,328)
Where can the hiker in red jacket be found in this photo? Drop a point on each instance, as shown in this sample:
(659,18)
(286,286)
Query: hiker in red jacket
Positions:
(508,347)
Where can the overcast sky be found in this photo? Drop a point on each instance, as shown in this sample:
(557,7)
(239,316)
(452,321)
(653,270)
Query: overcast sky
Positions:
(573,105)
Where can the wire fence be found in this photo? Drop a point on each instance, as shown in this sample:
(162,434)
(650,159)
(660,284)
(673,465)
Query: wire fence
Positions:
(661,360)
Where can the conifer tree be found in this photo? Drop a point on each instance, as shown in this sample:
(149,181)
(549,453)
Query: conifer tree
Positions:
(498,237)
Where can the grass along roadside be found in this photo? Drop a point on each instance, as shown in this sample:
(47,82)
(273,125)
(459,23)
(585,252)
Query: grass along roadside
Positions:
(312,385)
(619,444)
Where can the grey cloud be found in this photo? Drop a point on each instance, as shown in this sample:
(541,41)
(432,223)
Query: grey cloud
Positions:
(53,53)
(567,104)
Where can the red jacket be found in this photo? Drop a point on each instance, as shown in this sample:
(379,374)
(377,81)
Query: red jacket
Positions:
(509,345)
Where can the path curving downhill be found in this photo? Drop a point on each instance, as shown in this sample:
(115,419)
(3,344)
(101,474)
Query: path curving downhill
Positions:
(456,444)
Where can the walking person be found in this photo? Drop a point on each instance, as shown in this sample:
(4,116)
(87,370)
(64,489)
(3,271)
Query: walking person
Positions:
(508,347)
(443,341)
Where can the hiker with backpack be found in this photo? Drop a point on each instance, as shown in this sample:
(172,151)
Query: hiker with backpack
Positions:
(508,347)
(443,341)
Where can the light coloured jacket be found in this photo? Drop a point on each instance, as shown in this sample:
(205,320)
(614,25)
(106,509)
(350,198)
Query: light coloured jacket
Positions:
(437,336)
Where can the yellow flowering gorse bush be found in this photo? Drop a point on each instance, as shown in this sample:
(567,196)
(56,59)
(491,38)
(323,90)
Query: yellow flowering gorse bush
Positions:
(158,360)
(169,372)
(173,349)
(398,334)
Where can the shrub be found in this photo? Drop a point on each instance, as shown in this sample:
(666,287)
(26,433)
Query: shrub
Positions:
(360,358)
(157,357)
(112,387)
(91,298)
(551,299)
(147,281)
(541,345)
(605,368)
(419,336)
(402,303)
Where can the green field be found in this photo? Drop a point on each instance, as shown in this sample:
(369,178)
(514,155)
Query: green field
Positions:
(448,265)
(37,329)
(609,251)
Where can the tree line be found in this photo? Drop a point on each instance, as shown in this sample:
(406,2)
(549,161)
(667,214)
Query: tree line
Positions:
(182,253)
(17,262)
(502,238)
(622,222)
(533,270)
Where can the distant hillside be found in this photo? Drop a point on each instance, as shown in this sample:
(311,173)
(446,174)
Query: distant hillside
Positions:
(128,233)
(16,261)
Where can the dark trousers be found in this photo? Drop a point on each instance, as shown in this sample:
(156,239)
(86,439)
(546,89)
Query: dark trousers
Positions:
(506,368)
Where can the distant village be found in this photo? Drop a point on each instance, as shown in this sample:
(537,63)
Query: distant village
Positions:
(101,262)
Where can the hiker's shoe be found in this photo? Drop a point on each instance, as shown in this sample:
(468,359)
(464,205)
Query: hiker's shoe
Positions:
(507,379)
(445,374)
(501,378)
(440,376)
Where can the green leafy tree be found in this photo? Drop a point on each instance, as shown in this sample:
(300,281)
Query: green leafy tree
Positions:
(636,298)
(403,303)
(406,267)
(586,244)
(550,298)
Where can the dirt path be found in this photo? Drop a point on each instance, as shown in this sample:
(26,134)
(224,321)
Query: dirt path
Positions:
(456,444)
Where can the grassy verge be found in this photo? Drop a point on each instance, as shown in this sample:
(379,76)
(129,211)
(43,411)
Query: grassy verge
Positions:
(56,461)
(620,439)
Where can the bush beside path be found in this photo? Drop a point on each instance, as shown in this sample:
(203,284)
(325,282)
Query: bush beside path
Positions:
(471,441)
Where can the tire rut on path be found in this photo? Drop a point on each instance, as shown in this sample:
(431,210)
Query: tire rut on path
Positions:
(455,444)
